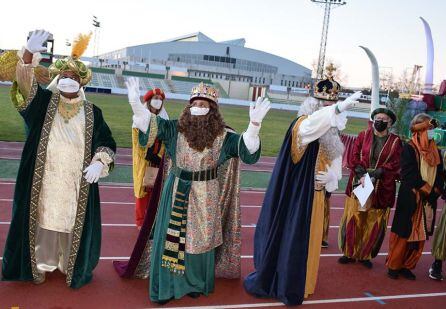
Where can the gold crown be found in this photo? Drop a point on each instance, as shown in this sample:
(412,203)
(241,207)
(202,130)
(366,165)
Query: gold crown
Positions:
(204,92)
(327,89)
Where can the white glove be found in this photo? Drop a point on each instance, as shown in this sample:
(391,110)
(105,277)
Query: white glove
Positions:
(350,101)
(323,178)
(134,98)
(36,41)
(258,111)
(132,85)
(93,172)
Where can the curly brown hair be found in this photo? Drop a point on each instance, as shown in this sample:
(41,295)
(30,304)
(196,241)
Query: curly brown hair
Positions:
(201,131)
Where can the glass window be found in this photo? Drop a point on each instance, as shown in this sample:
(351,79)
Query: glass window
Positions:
(206,57)
(217,58)
(211,58)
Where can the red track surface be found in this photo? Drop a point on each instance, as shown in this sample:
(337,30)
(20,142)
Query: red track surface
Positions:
(13,151)
(108,290)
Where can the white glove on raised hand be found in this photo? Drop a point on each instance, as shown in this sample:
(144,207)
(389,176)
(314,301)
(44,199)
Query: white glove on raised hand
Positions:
(93,172)
(258,110)
(132,85)
(350,101)
(36,41)
(134,98)
(323,178)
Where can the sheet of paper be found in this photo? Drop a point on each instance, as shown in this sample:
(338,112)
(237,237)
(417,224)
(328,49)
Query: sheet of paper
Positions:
(363,193)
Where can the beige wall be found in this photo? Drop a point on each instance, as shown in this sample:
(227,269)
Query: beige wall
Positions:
(235,90)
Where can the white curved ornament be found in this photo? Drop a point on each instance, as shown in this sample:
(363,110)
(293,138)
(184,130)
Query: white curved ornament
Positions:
(429,78)
(375,79)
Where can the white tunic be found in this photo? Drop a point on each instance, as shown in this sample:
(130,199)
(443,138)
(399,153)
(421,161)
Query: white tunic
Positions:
(63,173)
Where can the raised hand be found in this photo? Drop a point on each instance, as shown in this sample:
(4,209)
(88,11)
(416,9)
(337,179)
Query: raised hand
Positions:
(259,110)
(132,85)
(350,101)
(36,41)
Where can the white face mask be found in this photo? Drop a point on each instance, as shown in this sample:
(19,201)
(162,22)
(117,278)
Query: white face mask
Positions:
(199,111)
(156,104)
(68,85)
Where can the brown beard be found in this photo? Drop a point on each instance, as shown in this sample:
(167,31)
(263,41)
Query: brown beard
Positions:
(201,131)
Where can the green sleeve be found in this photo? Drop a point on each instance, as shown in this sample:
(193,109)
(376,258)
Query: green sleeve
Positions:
(234,146)
(165,130)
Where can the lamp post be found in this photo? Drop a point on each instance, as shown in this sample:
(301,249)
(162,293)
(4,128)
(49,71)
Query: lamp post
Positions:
(97,25)
(329,4)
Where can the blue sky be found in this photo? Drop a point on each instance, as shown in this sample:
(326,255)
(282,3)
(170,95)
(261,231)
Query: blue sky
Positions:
(291,29)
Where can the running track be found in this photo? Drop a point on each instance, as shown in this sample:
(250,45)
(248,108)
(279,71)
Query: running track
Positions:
(339,286)
(13,151)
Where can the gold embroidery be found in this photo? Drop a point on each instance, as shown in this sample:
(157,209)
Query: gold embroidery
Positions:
(20,103)
(153,131)
(69,110)
(83,193)
(39,168)
(171,246)
(173,232)
(297,149)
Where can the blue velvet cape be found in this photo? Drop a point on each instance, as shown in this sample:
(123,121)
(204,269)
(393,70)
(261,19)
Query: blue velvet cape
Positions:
(283,229)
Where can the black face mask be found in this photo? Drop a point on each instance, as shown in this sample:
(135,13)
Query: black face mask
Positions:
(380,125)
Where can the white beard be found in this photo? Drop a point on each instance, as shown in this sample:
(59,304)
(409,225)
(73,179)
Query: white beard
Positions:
(330,141)
(332,144)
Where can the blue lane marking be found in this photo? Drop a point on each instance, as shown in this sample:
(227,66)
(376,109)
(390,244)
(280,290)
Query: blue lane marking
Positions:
(379,301)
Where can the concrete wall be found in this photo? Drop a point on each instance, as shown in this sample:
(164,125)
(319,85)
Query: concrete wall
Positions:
(235,89)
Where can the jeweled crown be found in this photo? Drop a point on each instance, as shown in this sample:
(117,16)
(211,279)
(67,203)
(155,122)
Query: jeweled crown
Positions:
(327,89)
(205,92)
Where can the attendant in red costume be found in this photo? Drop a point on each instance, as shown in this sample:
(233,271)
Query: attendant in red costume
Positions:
(377,152)
(146,160)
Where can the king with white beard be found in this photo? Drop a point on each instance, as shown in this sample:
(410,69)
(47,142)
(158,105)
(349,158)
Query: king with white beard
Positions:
(287,242)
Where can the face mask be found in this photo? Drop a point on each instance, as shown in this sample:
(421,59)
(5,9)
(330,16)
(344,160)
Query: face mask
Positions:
(199,111)
(380,125)
(156,104)
(68,85)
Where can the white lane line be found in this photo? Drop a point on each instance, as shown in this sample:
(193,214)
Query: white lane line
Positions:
(336,255)
(317,302)
(244,257)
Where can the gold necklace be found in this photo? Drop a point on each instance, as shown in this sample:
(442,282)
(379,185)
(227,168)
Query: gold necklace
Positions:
(69,110)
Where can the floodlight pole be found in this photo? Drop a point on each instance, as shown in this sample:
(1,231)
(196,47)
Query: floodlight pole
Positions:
(323,46)
(97,25)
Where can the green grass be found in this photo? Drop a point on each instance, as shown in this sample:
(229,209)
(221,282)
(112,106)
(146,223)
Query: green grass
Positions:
(118,115)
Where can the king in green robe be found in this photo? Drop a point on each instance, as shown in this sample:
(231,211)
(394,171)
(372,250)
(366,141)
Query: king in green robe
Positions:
(197,230)
(56,222)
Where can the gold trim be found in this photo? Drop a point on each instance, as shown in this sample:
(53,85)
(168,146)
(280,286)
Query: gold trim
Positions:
(15,92)
(107,150)
(297,149)
(153,131)
(39,168)
(83,193)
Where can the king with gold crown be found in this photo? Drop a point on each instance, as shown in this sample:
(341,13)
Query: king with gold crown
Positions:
(56,221)
(197,231)
(289,232)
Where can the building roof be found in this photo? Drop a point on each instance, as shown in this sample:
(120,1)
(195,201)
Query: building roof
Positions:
(201,37)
